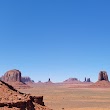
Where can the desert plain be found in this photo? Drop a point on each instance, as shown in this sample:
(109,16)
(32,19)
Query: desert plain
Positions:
(71,94)
(72,97)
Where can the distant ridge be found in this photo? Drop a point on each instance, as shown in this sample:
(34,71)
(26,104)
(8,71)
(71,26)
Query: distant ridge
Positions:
(72,80)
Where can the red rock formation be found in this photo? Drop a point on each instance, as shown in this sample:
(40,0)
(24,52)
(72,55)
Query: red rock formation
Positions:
(13,77)
(102,82)
(12,99)
(103,76)
(72,80)
(48,82)
(88,80)
(26,80)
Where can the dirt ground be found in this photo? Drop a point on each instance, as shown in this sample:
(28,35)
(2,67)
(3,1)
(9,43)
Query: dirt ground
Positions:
(61,97)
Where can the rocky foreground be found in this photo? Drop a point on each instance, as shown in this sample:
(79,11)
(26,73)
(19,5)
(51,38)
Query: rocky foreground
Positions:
(12,99)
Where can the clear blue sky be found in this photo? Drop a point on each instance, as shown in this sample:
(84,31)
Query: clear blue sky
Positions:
(55,39)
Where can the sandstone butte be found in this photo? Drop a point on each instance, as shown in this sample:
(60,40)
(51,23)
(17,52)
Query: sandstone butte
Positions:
(12,99)
(103,81)
(14,78)
(26,79)
(72,81)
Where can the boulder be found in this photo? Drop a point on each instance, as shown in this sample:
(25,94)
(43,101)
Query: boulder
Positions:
(103,76)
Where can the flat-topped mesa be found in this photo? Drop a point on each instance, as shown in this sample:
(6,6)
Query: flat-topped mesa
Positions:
(12,76)
(103,76)
(72,80)
(26,80)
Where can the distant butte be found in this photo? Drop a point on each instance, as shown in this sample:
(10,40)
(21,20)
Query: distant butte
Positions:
(13,77)
(103,76)
(49,82)
(72,80)
(103,81)
(26,79)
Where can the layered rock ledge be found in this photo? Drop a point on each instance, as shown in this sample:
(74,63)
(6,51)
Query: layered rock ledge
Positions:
(12,99)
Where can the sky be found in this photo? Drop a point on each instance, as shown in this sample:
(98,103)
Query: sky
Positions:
(56,39)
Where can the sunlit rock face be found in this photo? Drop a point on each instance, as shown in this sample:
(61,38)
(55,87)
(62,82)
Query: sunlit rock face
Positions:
(103,76)
(12,99)
(12,76)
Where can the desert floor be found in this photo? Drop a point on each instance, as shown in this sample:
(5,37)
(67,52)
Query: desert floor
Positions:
(64,97)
